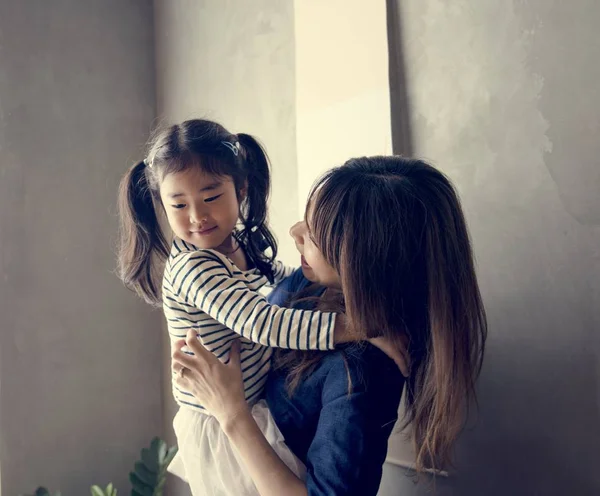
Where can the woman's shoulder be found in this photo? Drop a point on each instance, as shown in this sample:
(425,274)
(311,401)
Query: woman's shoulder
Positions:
(291,286)
(295,282)
(363,367)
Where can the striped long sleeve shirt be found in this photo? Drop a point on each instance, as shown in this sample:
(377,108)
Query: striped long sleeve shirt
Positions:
(204,290)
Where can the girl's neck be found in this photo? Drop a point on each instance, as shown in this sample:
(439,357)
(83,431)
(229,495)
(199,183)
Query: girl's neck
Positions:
(229,246)
(232,248)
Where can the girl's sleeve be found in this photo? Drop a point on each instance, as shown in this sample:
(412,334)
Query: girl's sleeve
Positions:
(281,271)
(204,281)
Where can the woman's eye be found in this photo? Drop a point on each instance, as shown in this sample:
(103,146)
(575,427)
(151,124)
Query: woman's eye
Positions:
(213,198)
(179,205)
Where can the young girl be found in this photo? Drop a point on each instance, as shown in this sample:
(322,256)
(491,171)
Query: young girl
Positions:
(389,233)
(213,187)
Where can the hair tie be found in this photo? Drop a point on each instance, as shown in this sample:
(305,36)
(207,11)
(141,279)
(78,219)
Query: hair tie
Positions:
(234,147)
(148,163)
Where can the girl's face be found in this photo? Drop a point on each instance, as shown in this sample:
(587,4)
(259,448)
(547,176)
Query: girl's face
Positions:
(202,209)
(314,266)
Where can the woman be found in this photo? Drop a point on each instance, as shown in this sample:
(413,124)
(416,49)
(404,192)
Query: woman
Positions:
(387,237)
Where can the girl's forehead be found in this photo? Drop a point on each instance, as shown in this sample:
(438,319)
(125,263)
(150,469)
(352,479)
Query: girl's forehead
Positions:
(193,177)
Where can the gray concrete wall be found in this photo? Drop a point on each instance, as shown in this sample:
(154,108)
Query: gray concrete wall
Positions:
(504,97)
(79,355)
(233,62)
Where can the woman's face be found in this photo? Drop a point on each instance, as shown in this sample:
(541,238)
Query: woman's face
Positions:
(314,266)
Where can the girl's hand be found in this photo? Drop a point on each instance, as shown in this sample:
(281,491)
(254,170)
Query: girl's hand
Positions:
(343,335)
(217,386)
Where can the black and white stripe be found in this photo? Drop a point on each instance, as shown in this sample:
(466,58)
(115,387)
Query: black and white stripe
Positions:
(205,291)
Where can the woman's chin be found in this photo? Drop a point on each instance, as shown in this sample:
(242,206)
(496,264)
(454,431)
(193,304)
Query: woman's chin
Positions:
(308,273)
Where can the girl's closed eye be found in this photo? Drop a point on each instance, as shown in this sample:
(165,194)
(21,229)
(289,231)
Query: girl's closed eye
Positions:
(179,205)
(213,198)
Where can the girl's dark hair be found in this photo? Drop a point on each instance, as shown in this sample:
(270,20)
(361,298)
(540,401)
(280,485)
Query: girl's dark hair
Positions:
(394,230)
(194,143)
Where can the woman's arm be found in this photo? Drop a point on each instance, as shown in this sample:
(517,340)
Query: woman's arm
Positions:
(270,475)
(349,447)
(220,389)
(346,455)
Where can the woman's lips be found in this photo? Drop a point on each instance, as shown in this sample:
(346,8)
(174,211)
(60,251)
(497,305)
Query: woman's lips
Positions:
(303,262)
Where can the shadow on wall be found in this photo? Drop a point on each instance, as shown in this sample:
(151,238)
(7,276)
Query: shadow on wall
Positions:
(522,441)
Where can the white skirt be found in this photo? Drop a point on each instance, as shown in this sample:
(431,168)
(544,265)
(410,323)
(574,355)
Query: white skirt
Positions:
(211,465)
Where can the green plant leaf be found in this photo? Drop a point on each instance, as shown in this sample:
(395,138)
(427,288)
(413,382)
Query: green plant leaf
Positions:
(144,474)
(109,489)
(150,460)
(170,455)
(42,491)
(159,447)
(159,487)
(140,486)
(97,491)
(149,475)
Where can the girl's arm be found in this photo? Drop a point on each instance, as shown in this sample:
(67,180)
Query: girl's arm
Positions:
(280,272)
(202,280)
(220,388)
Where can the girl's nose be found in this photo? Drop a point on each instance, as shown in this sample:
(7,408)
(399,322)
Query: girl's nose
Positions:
(197,216)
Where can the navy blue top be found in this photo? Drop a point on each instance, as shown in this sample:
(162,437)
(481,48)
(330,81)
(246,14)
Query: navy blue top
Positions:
(342,438)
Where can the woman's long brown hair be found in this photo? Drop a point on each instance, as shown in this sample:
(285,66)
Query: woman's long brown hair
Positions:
(393,228)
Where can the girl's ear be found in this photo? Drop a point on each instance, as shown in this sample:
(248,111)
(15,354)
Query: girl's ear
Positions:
(243,193)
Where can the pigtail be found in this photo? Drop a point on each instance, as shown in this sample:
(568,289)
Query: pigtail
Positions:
(142,242)
(256,235)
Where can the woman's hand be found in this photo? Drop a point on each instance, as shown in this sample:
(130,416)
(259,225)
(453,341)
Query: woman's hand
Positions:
(217,386)
(220,389)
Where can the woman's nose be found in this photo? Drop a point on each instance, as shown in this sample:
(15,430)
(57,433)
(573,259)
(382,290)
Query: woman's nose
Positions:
(297,230)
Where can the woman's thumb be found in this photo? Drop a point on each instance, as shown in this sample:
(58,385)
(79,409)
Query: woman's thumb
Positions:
(234,353)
